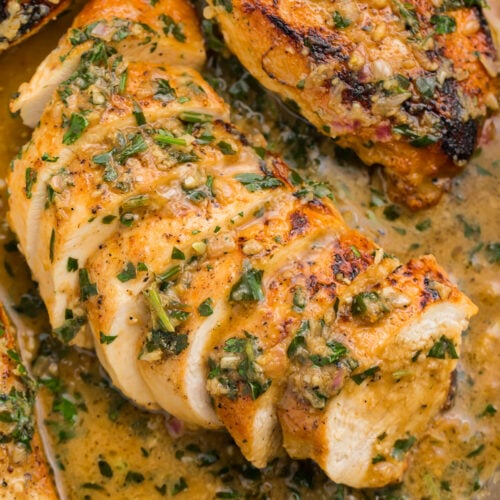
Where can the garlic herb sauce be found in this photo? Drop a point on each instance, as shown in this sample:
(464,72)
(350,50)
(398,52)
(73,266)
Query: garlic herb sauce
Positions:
(103,447)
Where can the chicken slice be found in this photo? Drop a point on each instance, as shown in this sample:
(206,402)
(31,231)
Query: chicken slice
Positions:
(112,169)
(306,283)
(180,218)
(24,469)
(166,33)
(224,288)
(404,335)
(179,381)
(407,85)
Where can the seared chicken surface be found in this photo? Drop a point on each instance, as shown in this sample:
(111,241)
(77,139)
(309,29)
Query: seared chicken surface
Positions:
(20,19)
(405,84)
(214,282)
(24,470)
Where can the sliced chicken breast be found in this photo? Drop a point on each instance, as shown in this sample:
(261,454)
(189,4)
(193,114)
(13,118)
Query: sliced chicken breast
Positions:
(404,335)
(177,219)
(223,288)
(110,171)
(166,33)
(407,85)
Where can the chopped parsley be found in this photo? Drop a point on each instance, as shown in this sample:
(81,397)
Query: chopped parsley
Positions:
(72,265)
(392,212)
(104,468)
(426,85)
(477,451)
(170,27)
(493,253)
(30,179)
(359,378)
(315,189)
(227,4)
(256,182)
(444,25)
(141,266)
(108,219)
(299,340)
(415,139)
(134,477)
(471,230)
(226,148)
(178,254)
(249,287)
(164,92)
(128,273)
(339,21)
(206,307)
(136,144)
(299,299)
(402,446)
(409,16)
(106,339)
(126,148)
(423,225)
(179,486)
(369,306)
(51,245)
(337,352)
(140,119)
(489,411)
(16,407)
(235,371)
(443,348)
(87,289)
(48,158)
(77,124)
(71,326)
(167,342)
(378,458)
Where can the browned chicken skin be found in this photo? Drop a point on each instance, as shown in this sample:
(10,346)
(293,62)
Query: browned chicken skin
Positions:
(404,84)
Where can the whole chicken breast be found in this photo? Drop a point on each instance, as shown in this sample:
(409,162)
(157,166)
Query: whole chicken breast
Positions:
(407,85)
(215,283)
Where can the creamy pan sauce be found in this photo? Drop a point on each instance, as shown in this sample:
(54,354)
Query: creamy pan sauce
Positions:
(102,447)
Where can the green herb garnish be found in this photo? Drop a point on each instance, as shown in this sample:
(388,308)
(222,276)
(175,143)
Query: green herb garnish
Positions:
(87,289)
(256,182)
(77,124)
(206,307)
(249,287)
(128,273)
(443,348)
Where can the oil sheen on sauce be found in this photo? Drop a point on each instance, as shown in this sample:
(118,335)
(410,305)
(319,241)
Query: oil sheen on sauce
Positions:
(103,447)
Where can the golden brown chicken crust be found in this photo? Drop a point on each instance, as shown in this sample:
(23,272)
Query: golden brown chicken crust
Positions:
(407,86)
(422,284)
